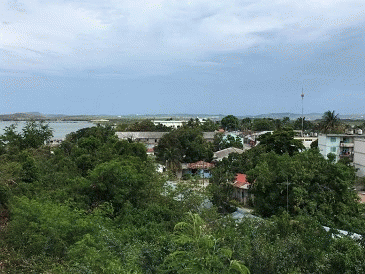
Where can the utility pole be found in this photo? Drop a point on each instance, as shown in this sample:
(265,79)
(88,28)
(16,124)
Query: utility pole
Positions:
(302,113)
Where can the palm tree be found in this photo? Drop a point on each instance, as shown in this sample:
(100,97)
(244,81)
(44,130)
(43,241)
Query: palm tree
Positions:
(330,121)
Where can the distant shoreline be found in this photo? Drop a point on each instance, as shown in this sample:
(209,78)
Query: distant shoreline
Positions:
(113,118)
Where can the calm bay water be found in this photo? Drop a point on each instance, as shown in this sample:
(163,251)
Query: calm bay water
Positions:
(60,129)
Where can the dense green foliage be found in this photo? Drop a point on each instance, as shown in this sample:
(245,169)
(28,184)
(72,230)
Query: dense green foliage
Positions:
(280,142)
(143,125)
(230,122)
(96,204)
(221,141)
(285,179)
(33,135)
(308,185)
(184,144)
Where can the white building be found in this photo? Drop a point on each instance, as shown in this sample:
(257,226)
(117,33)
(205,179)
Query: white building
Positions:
(306,140)
(359,156)
(171,123)
(341,145)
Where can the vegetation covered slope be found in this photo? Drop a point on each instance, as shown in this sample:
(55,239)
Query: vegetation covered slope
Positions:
(95,204)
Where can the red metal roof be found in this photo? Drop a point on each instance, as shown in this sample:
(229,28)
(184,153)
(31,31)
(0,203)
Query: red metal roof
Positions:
(240,181)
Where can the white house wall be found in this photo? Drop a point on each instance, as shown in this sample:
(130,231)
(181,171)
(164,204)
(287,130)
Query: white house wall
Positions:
(359,156)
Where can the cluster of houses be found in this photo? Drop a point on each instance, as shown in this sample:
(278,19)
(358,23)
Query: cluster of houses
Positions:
(200,168)
(350,146)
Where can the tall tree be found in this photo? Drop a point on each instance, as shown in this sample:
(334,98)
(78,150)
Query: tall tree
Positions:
(230,122)
(184,144)
(306,124)
(262,124)
(281,142)
(33,135)
(246,123)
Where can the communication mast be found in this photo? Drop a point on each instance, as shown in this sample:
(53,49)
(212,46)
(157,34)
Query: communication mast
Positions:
(302,95)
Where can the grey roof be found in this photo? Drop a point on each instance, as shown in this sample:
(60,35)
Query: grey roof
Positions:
(209,135)
(135,135)
(140,135)
(341,135)
(225,152)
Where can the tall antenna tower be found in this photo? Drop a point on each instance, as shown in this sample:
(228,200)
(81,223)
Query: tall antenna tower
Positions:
(302,95)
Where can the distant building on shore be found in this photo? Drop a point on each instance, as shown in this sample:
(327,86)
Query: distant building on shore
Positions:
(171,123)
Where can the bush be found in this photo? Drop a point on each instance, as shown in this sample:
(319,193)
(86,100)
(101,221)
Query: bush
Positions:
(44,228)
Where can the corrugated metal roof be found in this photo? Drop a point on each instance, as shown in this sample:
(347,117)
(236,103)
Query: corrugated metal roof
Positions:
(140,135)
(225,152)
(200,165)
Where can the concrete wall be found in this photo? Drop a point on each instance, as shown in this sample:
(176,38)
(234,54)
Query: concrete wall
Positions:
(306,140)
(359,156)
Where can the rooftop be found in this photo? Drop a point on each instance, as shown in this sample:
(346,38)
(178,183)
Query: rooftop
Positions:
(241,181)
(225,152)
(200,165)
(341,135)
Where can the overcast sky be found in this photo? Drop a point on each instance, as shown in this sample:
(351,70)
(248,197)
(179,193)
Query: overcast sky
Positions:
(215,57)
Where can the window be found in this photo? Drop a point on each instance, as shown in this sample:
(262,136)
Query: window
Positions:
(333,139)
(333,149)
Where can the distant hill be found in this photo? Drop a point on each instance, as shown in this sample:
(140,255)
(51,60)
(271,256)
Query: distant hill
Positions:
(22,116)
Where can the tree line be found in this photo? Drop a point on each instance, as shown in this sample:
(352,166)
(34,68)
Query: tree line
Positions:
(329,123)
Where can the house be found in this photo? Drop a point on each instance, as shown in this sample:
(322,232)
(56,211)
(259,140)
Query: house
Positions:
(149,138)
(306,140)
(151,151)
(252,138)
(200,168)
(224,153)
(240,188)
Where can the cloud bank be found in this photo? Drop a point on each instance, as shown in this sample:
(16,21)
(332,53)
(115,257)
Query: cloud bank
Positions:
(117,37)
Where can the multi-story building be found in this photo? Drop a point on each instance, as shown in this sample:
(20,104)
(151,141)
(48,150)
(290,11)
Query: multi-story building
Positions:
(341,145)
(359,156)
(350,146)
